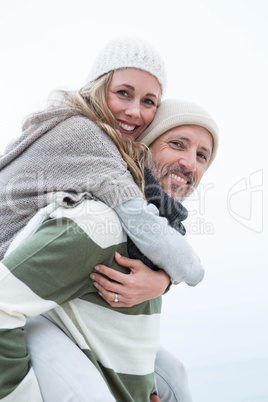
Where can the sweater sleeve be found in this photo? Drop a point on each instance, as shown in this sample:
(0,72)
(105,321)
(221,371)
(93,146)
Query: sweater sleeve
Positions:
(74,158)
(49,269)
(111,182)
(162,244)
(84,159)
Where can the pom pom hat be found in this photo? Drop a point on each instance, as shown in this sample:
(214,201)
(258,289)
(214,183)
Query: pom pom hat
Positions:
(125,52)
(173,113)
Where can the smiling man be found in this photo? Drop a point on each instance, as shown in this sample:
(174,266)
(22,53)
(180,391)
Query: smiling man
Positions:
(180,158)
(183,139)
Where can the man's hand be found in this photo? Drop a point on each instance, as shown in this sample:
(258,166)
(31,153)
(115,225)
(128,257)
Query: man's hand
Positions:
(139,285)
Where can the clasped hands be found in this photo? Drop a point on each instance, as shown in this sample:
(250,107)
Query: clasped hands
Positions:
(139,285)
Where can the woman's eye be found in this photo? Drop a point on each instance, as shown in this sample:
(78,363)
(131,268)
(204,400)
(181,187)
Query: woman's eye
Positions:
(122,92)
(149,102)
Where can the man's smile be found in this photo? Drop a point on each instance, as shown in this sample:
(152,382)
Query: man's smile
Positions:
(180,175)
(178,178)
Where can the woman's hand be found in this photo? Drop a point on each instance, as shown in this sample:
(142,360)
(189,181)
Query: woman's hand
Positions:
(139,285)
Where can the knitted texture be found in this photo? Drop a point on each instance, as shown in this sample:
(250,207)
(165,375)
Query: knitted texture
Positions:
(125,52)
(173,210)
(60,156)
(173,113)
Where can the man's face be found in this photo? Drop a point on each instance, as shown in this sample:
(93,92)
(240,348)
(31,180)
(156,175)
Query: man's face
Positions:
(180,158)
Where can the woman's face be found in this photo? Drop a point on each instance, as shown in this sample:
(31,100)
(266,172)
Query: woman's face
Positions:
(133,96)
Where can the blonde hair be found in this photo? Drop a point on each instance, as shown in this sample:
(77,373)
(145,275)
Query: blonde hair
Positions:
(91,100)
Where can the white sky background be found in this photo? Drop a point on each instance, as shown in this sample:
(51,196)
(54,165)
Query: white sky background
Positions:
(217,55)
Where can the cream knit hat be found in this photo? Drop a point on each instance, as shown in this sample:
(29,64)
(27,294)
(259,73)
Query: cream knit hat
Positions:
(173,113)
(125,52)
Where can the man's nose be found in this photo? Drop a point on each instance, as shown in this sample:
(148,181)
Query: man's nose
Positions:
(188,160)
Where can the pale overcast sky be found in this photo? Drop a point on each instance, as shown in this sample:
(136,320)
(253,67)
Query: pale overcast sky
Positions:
(217,55)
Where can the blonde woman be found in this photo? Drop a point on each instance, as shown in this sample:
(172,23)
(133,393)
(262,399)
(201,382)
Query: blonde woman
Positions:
(76,150)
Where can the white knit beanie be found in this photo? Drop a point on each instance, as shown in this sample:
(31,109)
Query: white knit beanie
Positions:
(127,51)
(173,113)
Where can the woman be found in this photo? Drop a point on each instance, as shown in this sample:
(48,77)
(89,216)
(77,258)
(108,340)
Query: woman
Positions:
(40,132)
(68,158)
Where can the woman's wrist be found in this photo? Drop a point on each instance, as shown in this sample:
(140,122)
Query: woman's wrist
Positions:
(168,287)
(165,281)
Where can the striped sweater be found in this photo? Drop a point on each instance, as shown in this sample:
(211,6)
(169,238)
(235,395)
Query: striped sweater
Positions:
(49,274)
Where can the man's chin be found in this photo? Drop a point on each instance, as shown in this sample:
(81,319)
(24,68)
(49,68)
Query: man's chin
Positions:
(178,193)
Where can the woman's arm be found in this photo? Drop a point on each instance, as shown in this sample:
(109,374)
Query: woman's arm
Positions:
(162,244)
(95,165)
(139,285)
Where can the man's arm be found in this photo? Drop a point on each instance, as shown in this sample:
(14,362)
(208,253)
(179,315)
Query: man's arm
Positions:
(141,284)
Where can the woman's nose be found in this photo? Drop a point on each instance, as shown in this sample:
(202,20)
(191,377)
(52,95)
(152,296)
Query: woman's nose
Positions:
(133,109)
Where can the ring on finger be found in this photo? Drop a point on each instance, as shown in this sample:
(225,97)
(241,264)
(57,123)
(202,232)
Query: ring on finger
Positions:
(116,298)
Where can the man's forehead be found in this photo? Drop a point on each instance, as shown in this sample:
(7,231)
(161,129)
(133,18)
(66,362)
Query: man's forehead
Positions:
(187,132)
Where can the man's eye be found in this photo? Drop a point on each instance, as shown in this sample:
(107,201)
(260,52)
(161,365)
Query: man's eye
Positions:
(202,156)
(176,144)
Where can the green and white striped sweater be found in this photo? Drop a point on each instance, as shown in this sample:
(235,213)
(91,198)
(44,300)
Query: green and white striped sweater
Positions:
(49,274)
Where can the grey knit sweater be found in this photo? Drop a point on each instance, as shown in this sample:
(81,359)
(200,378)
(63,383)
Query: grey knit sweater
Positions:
(63,156)
(59,151)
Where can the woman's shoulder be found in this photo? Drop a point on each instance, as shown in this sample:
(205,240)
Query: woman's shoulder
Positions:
(81,125)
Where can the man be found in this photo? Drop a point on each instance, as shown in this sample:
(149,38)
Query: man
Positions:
(181,158)
(183,140)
